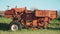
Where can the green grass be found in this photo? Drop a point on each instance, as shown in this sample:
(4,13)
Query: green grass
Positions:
(54,28)
(24,31)
(54,23)
(5,20)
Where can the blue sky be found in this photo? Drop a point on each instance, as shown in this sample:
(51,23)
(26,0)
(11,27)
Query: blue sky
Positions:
(39,4)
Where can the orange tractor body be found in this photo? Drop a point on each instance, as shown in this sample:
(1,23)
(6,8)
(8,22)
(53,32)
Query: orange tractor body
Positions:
(31,19)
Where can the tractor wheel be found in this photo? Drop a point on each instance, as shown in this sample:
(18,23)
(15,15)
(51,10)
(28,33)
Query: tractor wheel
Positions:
(14,26)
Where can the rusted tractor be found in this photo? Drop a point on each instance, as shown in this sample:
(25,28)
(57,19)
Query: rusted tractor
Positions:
(23,18)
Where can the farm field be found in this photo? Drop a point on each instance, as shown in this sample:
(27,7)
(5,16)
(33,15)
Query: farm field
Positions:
(24,31)
(53,28)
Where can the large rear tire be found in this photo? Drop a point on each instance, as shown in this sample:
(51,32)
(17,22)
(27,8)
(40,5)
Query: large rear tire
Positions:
(14,26)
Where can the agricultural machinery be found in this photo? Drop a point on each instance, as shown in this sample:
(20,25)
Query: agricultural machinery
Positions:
(23,18)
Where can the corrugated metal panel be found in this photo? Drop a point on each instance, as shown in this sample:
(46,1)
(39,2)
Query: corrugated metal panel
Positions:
(43,13)
(53,14)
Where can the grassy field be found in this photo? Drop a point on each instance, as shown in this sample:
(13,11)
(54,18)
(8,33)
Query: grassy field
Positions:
(24,31)
(54,28)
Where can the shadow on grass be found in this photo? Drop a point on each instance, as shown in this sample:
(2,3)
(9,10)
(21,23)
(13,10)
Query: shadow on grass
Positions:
(51,28)
(4,26)
(58,19)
